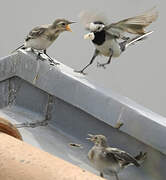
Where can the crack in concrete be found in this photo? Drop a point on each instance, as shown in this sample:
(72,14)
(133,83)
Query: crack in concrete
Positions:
(49,107)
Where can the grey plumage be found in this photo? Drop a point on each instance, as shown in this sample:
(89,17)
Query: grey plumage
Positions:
(107,37)
(133,25)
(41,37)
(108,160)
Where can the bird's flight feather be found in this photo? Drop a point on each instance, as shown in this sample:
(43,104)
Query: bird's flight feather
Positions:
(121,156)
(36,32)
(134,25)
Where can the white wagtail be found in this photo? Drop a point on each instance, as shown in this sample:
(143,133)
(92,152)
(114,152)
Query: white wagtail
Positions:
(108,160)
(106,37)
(41,37)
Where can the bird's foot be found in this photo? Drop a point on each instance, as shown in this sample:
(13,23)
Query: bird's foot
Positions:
(23,48)
(39,56)
(81,72)
(53,63)
(118,125)
(101,65)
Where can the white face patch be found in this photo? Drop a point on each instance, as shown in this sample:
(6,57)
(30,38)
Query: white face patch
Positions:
(90,36)
(96,27)
(92,27)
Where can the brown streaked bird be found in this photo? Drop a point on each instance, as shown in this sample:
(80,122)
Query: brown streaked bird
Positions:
(41,37)
(110,39)
(108,160)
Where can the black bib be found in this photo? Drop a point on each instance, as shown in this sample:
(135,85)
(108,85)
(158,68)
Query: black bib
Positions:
(99,37)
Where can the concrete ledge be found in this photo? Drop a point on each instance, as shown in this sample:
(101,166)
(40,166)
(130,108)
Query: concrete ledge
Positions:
(62,82)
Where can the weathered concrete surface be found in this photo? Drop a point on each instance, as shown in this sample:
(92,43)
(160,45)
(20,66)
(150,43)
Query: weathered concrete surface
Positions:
(73,107)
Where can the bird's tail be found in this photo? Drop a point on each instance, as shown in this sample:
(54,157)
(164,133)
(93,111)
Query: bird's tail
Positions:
(137,160)
(138,38)
(134,40)
(22,46)
(141,157)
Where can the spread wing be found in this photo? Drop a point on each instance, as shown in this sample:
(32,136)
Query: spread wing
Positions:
(134,25)
(121,156)
(36,32)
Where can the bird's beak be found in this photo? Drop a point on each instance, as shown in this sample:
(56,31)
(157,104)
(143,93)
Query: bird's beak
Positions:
(68,28)
(90,137)
(71,22)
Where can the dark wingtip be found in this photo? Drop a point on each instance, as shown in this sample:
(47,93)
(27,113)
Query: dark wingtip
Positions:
(137,164)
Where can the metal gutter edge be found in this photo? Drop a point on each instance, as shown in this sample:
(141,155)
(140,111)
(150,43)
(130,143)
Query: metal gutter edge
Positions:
(62,82)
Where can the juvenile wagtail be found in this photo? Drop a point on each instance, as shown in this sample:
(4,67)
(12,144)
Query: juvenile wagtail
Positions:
(41,37)
(108,160)
(106,37)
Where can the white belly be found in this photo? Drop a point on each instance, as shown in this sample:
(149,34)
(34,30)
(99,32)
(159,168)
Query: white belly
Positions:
(106,167)
(39,44)
(109,44)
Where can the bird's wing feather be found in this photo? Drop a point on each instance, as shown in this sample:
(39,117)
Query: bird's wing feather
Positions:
(134,25)
(36,32)
(120,155)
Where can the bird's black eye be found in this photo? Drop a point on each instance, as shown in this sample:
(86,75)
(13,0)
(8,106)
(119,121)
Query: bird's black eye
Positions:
(63,24)
(95,138)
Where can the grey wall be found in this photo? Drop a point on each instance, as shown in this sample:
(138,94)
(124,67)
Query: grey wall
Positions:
(138,74)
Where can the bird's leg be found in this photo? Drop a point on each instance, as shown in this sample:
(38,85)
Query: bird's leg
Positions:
(101,174)
(104,64)
(23,47)
(32,50)
(116,175)
(50,59)
(91,61)
(38,55)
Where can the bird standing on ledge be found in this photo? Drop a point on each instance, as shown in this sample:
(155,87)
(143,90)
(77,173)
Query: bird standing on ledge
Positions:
(108,160)
(105,36)
(41,37)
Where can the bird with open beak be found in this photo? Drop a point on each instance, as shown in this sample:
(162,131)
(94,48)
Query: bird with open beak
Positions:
(41,37)
(110,39)
(108,160)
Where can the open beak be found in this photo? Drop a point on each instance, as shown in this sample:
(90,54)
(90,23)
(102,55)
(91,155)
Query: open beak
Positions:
(68,28)
(90,137)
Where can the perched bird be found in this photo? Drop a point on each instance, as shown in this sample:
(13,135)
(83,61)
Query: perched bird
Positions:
(41,37)
(108,160)
(106,37)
